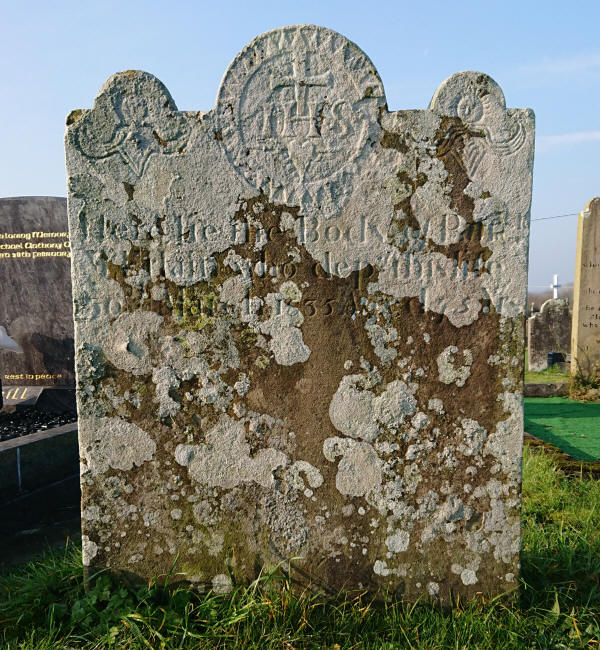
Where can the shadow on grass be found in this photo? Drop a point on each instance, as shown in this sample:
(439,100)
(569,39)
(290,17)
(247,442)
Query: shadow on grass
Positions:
(545,434)
(560,554)
(51,610)
(571,573)
(555,407)
(557,419)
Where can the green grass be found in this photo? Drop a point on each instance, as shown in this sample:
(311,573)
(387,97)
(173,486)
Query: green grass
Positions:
(549,376)
(572,426)
(43,605)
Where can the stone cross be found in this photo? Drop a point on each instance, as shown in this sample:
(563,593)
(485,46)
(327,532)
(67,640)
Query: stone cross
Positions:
(302,345)
(585,342)
(555,286)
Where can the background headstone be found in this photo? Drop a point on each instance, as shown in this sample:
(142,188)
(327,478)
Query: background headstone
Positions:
(299,325)
(548,330)
(36,309)
(585,346)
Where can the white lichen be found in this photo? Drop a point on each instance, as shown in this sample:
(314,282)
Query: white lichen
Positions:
(312,474)
(468,577)
(358,412)
(283,326)
(433,588)
(290,291)
(436,405)
(224,460)
(89,550)
(359,470)
(125,340)
(473,436)
(114,443)
(398,542)
(449,372)
(222,584)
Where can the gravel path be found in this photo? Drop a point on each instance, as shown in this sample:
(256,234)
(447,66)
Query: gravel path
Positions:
(29,420)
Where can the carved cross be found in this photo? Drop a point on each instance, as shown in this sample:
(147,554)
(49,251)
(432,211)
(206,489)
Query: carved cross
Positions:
(301,82)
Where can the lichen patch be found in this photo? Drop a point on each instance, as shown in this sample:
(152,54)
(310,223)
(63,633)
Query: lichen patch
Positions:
(115,443)
(449,370)
(224,460)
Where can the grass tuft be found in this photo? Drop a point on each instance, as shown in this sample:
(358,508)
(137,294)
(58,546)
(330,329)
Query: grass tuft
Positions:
(44,605)
(551,375)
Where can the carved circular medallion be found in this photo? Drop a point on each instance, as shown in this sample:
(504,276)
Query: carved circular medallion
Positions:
(297,111)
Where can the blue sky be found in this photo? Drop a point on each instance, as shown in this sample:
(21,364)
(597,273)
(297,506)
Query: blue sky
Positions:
(545,55)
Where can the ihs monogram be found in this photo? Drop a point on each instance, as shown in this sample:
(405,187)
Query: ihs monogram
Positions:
(291,107)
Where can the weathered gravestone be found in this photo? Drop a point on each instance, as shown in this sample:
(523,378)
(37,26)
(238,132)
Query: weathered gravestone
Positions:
(548,330)
(585,343)
(299,325)
(36,307)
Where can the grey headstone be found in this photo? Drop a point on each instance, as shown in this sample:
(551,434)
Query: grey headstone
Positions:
(299,325)
(548,330)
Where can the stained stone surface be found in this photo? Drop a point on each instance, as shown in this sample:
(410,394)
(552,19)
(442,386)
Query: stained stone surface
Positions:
(585,343)
(299,325)
(548,330)
(36,306)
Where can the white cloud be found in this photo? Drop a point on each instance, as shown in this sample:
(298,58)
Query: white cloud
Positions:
(549,142)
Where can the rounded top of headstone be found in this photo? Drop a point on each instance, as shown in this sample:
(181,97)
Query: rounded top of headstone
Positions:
(296,108)
(469,95)
(33,200)
(554,304)
(134,84)
(478,101)
(130,102)
(592,206)
(303,49)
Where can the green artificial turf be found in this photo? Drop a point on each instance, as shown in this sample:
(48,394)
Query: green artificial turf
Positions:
(573,427)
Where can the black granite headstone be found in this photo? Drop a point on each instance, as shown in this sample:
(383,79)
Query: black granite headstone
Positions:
(36,316)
